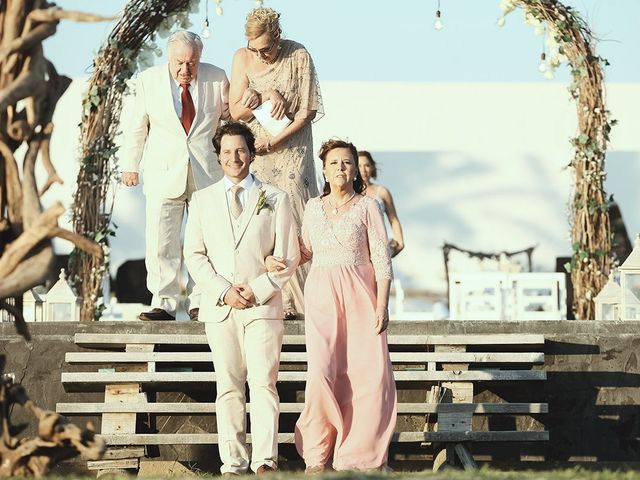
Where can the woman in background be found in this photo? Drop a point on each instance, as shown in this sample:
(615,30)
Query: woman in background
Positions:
(281,71)
(369,171)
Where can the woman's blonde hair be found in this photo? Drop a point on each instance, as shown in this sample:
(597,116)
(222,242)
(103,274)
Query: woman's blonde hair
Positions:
(260,21)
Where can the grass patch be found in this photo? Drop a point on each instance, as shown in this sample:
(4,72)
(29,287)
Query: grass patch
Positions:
(481,474)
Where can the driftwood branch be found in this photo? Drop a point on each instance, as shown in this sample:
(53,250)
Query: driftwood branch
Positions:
(53,14)
(52,174)
(41,229)
(32,272)
(83,243)
(13,186)
(29,83)
(28,41)
(57,438)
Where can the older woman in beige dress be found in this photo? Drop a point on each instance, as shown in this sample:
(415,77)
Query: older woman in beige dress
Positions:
(281,71)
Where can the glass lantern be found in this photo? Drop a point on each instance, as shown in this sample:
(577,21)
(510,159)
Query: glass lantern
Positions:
(608,300)
(61,302)
(630,284)
(32,306)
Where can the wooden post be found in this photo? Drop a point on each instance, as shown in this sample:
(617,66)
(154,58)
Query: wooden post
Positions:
(127,458)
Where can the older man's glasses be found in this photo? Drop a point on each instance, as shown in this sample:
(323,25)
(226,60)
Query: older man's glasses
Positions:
(263,51)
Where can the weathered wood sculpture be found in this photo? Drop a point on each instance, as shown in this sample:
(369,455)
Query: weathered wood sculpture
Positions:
(30,87)
(57,439)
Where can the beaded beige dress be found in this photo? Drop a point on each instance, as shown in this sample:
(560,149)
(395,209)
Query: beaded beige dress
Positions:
(291,166)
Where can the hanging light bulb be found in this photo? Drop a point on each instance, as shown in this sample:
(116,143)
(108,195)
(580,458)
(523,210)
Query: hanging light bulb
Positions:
(438,25)
(206,33)
(258,3)
(219,10)
(543,64)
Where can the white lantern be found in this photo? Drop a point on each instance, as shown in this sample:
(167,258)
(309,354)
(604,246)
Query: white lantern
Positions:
(32,306)
(608,300)
(630,284)
(62,304)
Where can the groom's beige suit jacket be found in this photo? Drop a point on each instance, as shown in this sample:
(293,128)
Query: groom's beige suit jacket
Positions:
(220,251)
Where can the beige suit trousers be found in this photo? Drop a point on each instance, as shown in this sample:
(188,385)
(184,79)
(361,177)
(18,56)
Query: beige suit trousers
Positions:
(246,351)
(163,257)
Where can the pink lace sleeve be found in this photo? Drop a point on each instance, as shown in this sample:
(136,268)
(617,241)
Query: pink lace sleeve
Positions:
(378,241)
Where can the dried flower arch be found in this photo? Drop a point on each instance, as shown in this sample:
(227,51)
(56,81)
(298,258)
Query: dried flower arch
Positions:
(569,40)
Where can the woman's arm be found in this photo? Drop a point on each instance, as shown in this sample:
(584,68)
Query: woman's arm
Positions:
(239,103)
(396,228)
(382,306)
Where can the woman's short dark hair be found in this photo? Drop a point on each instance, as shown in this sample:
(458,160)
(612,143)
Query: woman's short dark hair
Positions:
(374,168)
(235,128)
(332,144)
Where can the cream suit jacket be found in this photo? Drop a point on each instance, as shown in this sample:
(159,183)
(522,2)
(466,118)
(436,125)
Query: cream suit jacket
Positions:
(218,255)
(156,135)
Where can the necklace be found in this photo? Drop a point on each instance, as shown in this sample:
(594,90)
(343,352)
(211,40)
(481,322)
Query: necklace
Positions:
(334,208)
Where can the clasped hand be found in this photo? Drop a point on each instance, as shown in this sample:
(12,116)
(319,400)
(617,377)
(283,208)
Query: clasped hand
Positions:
(240,297)
(252,99)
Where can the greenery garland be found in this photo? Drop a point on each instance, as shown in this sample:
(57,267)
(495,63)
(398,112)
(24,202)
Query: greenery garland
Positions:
(569,40)
(129,46)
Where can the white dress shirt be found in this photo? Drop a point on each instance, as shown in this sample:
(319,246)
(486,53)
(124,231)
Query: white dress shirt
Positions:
(176,93)
(246,184)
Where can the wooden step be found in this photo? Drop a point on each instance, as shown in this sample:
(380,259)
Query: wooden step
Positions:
(195,408)
(301,357)
(121,339)
(80,380)
(212,438)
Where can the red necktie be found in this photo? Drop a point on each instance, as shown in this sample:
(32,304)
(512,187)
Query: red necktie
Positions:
(188,109)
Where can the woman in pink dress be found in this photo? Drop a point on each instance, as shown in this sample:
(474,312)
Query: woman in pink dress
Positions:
(350,397)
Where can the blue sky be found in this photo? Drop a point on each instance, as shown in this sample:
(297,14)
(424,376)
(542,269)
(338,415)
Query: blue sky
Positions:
(375,40)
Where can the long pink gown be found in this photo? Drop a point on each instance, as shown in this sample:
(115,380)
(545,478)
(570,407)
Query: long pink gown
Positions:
(350,397)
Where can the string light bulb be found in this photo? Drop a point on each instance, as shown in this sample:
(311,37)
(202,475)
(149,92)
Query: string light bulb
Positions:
(219,10)
(543,63)
(438,25)
(206,33)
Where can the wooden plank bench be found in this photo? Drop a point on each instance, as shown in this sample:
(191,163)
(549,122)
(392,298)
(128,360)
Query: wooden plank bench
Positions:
(132,368)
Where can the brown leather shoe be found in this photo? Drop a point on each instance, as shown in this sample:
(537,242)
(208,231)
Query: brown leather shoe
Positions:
(193,314)
(156,314)
(290,315)
(262,469)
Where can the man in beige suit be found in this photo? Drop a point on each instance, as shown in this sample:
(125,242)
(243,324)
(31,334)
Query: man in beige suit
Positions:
(178,107)
(233,226)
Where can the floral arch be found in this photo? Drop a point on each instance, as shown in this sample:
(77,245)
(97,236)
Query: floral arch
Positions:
(569,40)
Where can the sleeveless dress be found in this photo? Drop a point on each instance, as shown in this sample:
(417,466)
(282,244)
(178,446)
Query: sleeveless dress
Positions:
(350,397)
(291,167)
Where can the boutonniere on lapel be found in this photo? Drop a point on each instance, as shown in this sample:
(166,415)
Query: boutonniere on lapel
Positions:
(263,202)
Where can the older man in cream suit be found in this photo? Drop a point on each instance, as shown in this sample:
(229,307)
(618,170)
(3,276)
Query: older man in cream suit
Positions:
(178,107)
(233,226)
